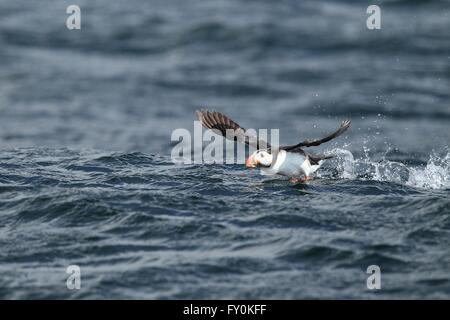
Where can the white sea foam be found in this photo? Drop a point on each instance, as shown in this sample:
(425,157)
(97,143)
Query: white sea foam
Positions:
(434,175)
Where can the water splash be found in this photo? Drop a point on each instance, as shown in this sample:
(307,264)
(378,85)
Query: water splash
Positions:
(345,166)
(434,175)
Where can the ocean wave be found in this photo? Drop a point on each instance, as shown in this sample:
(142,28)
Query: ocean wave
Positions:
(126,216)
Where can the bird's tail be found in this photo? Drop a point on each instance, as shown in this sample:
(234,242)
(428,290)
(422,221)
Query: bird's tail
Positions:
(315,158)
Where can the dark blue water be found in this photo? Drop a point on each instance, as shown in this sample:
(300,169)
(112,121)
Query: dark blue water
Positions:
(86,176)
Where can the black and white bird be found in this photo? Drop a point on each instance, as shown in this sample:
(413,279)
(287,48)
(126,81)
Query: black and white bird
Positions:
(291,160)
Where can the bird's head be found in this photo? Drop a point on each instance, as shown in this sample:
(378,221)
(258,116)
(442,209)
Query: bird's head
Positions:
(259,158)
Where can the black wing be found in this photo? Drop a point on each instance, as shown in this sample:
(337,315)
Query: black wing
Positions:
(313,143)
(217,121)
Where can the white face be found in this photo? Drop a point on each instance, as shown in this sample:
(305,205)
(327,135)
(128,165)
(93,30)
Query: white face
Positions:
(260,158)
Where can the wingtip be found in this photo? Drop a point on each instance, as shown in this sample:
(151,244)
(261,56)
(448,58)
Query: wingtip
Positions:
(199,114)
(203,111)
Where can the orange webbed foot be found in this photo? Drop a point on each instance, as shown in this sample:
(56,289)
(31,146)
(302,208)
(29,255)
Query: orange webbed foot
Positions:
(296,180)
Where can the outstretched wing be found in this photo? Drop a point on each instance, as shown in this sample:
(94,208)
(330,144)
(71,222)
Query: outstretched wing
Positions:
(217,121)
(312,143)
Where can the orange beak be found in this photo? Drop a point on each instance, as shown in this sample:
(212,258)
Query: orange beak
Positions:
(249,163)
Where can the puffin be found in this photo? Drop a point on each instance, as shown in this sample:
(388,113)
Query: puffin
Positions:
(292,161)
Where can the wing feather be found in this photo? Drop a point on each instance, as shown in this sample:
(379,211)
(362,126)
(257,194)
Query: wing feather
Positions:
(313,143)
(217,121)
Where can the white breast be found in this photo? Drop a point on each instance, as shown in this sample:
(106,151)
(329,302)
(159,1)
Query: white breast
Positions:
(290,164)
